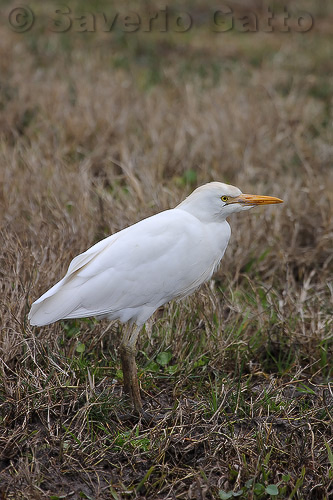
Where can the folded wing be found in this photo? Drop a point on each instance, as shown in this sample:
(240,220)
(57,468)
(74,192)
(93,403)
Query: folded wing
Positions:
(128,275)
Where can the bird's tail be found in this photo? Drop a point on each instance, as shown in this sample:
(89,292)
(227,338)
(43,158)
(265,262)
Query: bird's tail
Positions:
(57,303)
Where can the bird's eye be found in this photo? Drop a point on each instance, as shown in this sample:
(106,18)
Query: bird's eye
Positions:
(224,198)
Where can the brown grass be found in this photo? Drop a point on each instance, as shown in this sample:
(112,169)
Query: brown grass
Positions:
(98,131)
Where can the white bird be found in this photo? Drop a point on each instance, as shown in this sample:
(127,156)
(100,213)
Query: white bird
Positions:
(130,274)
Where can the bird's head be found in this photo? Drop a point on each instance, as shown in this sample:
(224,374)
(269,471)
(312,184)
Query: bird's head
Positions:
(216,201)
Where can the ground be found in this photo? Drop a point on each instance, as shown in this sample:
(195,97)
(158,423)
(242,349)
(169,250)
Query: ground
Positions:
(101,127)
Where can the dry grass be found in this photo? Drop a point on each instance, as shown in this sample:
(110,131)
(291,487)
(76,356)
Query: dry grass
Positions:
(98,131)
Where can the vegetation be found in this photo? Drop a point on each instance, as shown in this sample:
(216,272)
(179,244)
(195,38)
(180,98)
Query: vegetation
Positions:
(101,129)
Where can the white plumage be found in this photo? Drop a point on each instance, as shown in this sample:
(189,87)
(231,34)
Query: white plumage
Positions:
(128,275)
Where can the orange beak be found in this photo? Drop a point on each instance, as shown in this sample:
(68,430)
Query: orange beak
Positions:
(253,199)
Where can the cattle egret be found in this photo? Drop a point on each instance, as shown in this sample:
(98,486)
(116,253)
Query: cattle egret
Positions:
(128,275)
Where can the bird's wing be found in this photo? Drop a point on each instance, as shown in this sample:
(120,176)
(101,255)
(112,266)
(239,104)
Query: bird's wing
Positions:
(131,273)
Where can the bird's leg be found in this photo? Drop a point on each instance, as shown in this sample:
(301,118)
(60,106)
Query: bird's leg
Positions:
(127,356)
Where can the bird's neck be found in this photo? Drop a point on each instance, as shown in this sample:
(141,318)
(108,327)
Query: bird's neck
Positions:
(200,210)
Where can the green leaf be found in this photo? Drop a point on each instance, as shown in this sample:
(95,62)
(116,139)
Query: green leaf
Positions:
(145,478)
(272,490)
(80,347)
(264,254)
(190,176)
(163,358)
(249,265)
(153,367)
(286,478)
(298,484)
(113,493)
(330,453)
(82,494)
(258,489)
(203,361)
(172,369)
(249,483)
(224,495)
(305,389)
(237,493)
